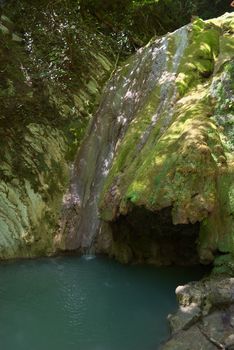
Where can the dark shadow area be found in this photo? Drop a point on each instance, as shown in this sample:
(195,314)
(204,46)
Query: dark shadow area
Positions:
(146,237)
(133,23)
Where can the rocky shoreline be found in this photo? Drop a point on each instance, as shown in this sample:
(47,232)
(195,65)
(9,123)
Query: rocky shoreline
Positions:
(205,318)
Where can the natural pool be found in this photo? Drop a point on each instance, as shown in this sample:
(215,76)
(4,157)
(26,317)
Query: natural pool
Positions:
(86,304)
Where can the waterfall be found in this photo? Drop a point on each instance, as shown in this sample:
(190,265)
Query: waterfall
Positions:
(123,97)
(167,84)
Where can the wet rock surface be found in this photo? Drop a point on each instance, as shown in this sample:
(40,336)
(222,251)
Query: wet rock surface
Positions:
(177,151)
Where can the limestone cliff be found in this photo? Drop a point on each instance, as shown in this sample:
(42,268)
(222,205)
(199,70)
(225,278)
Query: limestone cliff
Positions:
(174,166)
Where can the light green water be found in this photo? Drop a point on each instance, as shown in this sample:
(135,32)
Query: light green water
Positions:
(86,304)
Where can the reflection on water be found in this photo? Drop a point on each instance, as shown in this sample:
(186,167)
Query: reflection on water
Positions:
(86,303)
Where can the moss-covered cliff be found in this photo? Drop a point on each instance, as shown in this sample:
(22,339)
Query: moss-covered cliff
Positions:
(55,59)
(177,152)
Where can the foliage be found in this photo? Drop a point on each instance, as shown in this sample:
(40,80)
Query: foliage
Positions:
(138,20)
(59,50)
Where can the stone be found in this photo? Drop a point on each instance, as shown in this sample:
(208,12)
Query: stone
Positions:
(175,160)
(214,323)
(229,342)
(184,318)
(192,339)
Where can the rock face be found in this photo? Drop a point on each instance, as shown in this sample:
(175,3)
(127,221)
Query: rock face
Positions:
(175,160)
(44,107)
(154,179)
(205,319)
(157,161)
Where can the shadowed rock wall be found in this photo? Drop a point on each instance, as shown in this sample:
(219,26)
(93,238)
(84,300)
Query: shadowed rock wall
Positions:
(45,103)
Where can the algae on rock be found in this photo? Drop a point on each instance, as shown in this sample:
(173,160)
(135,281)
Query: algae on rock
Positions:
(175,153)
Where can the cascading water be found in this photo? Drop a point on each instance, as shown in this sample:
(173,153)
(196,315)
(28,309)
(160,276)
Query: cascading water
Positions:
(123,98)
(167,82)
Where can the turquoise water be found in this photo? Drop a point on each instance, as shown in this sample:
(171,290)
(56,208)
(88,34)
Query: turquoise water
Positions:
(86,304)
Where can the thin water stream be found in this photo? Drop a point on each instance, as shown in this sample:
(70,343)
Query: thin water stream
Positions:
(125,95)
(86,304)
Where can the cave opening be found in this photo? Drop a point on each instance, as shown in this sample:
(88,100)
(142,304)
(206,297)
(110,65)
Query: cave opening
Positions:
(143,236)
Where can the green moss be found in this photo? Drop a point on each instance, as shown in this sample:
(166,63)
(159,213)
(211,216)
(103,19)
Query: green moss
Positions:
(186,159)
(199,58)
(171,159)
(217,231)
(224,265)
(142,134)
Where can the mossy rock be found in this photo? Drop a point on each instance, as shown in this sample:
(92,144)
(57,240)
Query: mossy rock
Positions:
(184,159)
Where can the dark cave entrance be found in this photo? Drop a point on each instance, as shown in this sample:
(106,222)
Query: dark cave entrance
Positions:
(146,237)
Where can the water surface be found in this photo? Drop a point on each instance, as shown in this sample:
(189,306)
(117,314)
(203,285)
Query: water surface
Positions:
(86,304)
